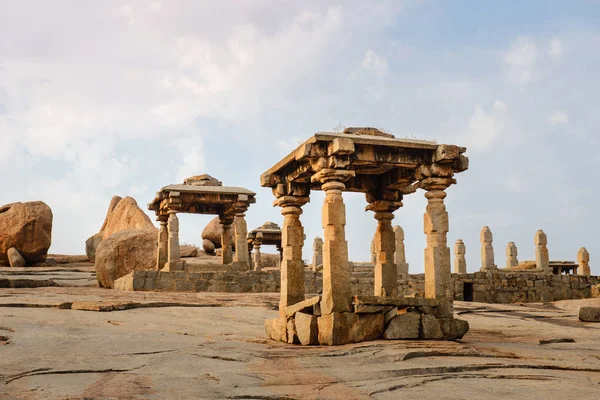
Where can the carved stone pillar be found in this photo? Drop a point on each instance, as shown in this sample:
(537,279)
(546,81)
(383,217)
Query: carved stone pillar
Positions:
(460,262)
(400,255)
(241,238)
(226,245)
(511,255)
(386,272)
(257,261)
(542,260)
(163,243)
(317,253)
(438,280)
(583,258)
(487,250)
(337,291)
(173,253)
(292,241)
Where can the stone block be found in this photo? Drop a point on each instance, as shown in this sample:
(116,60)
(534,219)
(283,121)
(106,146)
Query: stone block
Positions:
(391,314)
(342,328)
(430,328)
(150,283)
(589,314)
(302,306)
(404,326)
(307,328)
(453,328)
(445,309)
(277,328)
(182,285)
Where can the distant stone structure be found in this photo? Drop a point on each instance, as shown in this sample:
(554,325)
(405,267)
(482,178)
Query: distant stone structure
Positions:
(256,257)
(460,262)
(373,253)
(201,194)
(384,168)
(317,261)
(583,258)
(542,260)
(511,255)
(400,254)
(270,234)
(487,250)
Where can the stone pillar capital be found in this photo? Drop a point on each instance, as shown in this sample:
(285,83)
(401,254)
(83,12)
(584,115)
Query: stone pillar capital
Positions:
(383,208)
(328,175)
(434,184)
(295,202)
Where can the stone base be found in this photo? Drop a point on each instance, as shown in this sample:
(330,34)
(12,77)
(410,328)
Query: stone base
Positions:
(171,266)
(384,318)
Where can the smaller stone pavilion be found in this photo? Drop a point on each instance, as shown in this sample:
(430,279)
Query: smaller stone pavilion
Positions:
(369,161)
(268,233)
(202,194)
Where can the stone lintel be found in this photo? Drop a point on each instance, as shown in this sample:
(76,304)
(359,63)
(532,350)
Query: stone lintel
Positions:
(395,301)
(303,305)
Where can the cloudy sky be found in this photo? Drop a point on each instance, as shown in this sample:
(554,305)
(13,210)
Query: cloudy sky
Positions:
(124,97)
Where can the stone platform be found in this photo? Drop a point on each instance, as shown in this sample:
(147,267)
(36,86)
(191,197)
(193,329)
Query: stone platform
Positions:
(372,318)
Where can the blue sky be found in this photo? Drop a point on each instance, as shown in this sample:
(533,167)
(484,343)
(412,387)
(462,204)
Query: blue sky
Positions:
(124,97)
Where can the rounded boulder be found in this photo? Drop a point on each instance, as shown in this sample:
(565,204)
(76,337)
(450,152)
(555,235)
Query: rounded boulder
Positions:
(123,252)
(26,227)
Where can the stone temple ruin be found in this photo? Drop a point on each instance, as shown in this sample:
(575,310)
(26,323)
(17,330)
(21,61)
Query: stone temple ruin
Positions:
(202,194)
(352,298)
(267,234)
(385,169)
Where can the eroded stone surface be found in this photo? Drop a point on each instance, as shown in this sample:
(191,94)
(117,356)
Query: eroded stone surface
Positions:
(430,328)
(403,326)
(165,350)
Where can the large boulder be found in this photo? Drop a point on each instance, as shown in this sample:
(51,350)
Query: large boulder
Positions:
(123,214)
(26,227)
(126,215)
(213,232)
(123,252)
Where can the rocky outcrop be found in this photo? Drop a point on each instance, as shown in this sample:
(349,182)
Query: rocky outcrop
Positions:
(26,227)
(188,250)
(208,246)
(213,232)
(123,214)
(123,252)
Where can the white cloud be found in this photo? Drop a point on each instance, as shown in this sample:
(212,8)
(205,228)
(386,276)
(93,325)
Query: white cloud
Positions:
(555,49)
(485,127)
(372,62)
(558,117)
(520,60)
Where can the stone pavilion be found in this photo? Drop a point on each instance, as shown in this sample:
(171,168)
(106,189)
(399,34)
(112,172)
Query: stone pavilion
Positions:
(385,169)
(202,194)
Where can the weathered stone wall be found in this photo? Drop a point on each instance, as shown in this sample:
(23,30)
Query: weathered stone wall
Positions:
(496,287)
(212,281)
(523,287)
